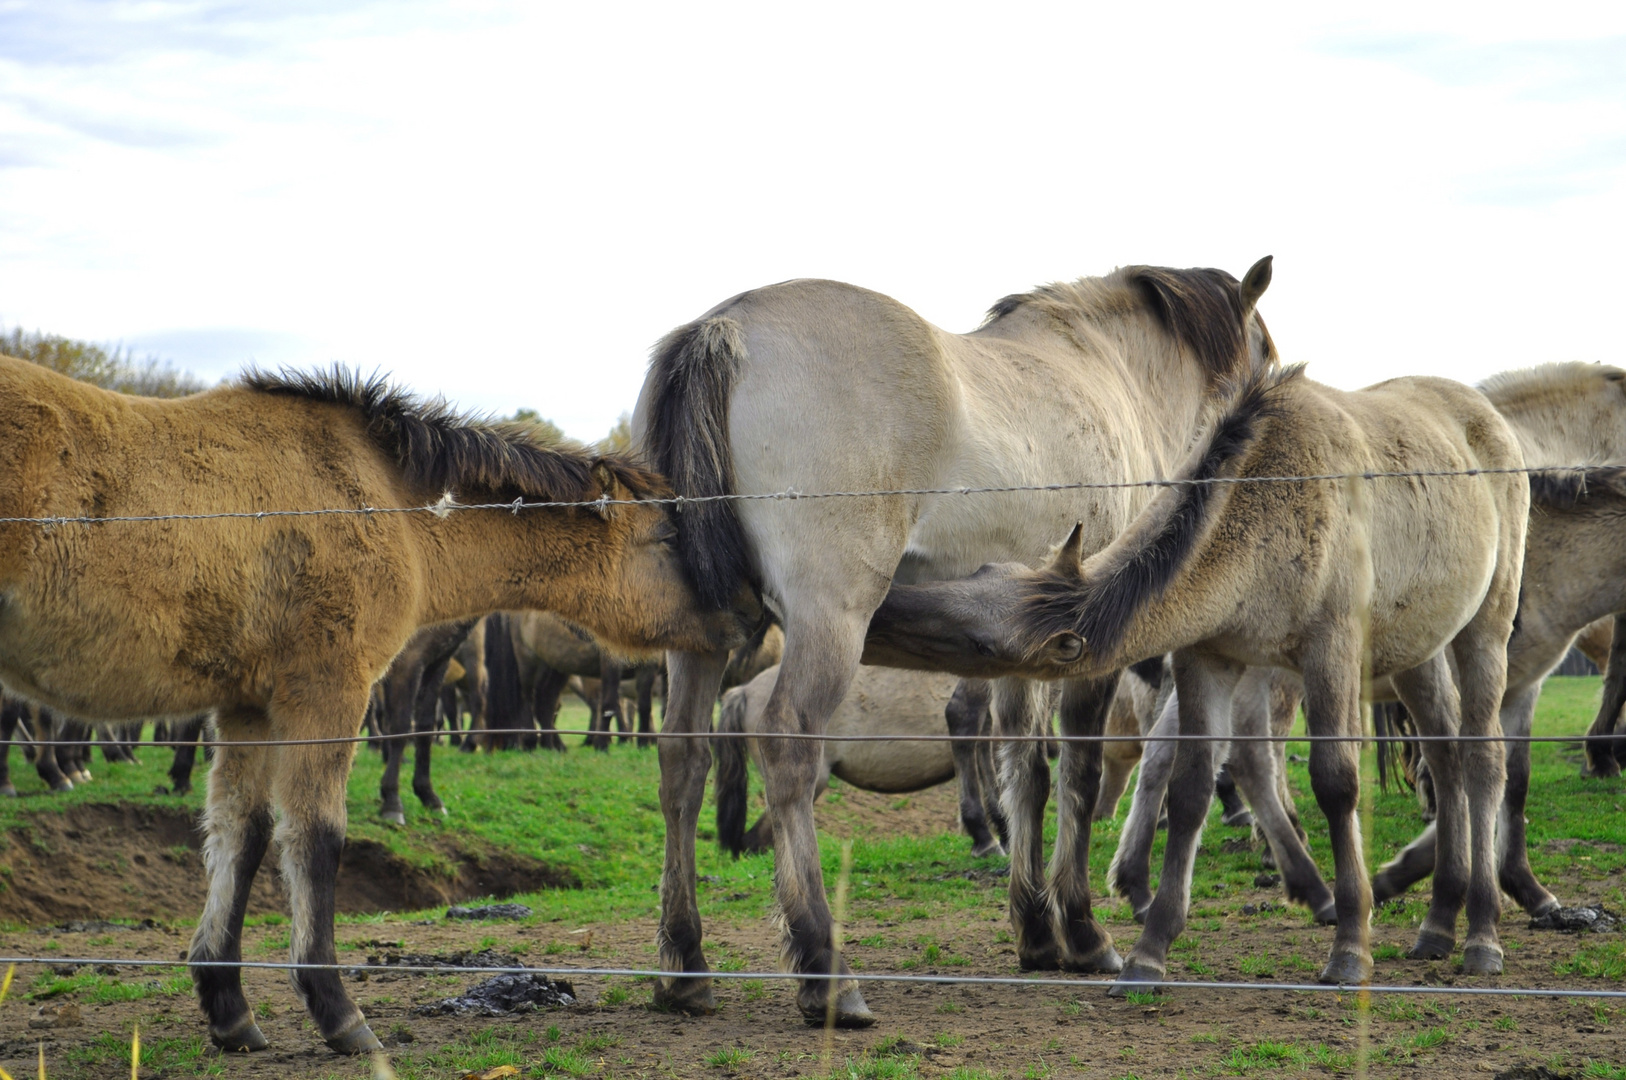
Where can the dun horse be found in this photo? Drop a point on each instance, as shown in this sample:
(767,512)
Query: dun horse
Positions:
(1311,576)
(819,386)
(282,625)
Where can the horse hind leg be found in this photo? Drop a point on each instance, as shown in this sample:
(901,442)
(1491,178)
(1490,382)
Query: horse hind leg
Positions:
(308,788)
(1481,652)
(695,679)
(1020,708)
(10,715)
(48,729)
(964,718)
(1130,873)
(237,825)
(1085,944)
(1605,749)
(423,722)
(1513,860)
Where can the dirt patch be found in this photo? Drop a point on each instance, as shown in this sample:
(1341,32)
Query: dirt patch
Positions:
(135,862)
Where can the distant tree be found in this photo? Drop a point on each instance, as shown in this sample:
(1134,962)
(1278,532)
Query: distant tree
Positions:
(544,429)
(112,370)
(619,440)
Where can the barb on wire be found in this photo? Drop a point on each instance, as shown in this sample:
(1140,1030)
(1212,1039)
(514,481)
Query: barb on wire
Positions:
(443,506)
(859,976)
(823,736)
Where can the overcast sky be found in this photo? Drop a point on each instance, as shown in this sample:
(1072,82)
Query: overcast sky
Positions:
(509,203)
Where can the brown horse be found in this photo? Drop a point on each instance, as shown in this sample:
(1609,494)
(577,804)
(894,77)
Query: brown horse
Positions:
(1328,578)
(283,624)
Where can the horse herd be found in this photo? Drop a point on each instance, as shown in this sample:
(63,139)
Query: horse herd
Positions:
(1430,549)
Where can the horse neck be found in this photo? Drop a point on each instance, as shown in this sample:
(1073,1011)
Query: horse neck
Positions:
(1168,388)
(479,561)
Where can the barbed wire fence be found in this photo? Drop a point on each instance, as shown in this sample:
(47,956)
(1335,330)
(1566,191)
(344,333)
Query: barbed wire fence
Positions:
(448,505)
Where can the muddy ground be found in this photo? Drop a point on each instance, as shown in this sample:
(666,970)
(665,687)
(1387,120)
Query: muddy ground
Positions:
(930,1031)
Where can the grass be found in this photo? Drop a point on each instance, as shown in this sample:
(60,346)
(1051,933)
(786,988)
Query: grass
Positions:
(94,988)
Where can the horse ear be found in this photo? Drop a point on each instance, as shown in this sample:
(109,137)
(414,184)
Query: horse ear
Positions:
(1255,282)
(609,486)
(1069,560)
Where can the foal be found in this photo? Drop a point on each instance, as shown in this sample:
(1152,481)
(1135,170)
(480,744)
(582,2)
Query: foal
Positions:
(1324,578)
(281,625)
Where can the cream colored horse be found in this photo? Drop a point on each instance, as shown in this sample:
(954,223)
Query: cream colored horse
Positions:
(1324,578)
(817,386)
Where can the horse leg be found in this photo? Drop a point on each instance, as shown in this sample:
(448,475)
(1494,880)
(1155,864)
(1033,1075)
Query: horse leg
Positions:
(237,824)
(1481,652)
(1256,766)
(822,648)
(48,728)
(423,721)
(1233,811)
(1205,687)
(1085,943)
(979,695)
(1604,749)
(1116,768)
(645,683)
(964,719)
(545,703)
(10,712)
(75,762)
(1513,861)
(186,755)
(1130,873)
(695,678)
(1332,696)
(395,719)
(308,788)
(1020,707)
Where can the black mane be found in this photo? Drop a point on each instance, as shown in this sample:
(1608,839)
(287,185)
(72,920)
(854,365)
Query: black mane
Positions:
(1100,609)
(1568,489)
(441,449)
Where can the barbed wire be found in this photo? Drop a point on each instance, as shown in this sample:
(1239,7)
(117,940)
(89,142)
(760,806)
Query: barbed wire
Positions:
(447,505)
(1159,986)
(807,736)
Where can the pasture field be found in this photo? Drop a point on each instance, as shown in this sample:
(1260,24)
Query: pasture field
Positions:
(581,835)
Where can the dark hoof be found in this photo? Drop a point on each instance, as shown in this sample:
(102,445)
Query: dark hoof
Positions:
(992,847)
(1138,977)
(1240,819)
(1327,914)
(850,1011)
(181,789)
(1482,960)
(1140,912)
(1347,969)
(242,1038)
(1046,959)
(1383,889)
(1431,945)
(691,996)
(358,1040)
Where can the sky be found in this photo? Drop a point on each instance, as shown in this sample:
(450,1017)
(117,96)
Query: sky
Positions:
(508,204)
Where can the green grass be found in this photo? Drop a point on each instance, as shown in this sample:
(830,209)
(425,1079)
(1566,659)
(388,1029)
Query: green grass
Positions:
(93,988)
(109,1054)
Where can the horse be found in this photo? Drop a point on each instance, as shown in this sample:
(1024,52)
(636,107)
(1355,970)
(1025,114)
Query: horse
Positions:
(281,623)
(1328,578)
(1605,746)
(881,701)
(818,386)
(409,694)
(550,650)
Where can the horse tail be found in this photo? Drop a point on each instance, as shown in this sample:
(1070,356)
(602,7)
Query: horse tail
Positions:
(732,782)
(504,697)
(691,381)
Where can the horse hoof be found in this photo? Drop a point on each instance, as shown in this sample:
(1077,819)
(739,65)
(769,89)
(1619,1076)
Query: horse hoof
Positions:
(1240,819)
(1482,960)
(7,791)
(1382,890)
(1138,977)
(444,812)
(395,817)
(1537,912)
(851,1011)
(243,1037)
(63,784)
(991,848)
(1431,945)
(691,996)
(1038,960)
(358,1040)
(1347,969)
(1103,960)
(1327,914)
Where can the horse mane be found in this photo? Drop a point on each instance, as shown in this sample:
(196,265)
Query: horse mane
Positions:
(1526,387)
(1101,606)
(1201,308)
(441,449)
(1568,489)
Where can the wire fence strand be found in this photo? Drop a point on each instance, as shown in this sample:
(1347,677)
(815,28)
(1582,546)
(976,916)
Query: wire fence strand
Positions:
(447,504)
(866,976)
